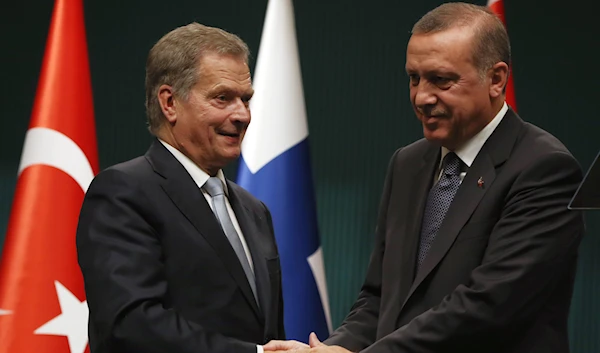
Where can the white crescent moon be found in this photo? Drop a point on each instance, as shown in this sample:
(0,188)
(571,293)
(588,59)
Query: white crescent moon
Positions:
(45,146)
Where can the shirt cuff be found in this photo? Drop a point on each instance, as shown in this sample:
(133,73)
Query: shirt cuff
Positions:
(259,349)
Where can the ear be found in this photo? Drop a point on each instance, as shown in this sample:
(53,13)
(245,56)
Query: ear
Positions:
(167,103)
(498,79)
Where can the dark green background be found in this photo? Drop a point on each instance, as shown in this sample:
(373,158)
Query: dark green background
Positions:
(352,56)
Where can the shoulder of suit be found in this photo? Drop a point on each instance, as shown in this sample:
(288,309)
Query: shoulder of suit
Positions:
(538,142)
(420,145)
(137,169)
(415,150)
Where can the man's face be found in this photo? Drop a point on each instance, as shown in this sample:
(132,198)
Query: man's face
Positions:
(212,122)
(449,97)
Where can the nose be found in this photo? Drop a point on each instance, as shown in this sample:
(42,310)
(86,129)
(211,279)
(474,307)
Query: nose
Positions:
(423,94)
(241,111)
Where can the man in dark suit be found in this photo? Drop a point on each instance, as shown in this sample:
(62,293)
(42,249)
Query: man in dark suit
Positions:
(475,248)
(175,257)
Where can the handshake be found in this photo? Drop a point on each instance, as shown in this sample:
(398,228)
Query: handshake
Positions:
(313,346)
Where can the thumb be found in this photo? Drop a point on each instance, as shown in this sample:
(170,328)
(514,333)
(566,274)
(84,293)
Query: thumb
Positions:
(313,340)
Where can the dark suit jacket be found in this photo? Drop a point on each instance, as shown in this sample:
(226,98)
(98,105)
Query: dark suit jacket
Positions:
(500,273)
(160,275)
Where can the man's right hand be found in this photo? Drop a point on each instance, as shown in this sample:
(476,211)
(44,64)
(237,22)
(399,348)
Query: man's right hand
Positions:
(290,345)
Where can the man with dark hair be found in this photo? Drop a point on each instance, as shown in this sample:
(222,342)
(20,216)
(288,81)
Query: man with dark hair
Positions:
(175,257)
(475,248)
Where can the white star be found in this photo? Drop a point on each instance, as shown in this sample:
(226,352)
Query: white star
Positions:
(72,322)
(5,312)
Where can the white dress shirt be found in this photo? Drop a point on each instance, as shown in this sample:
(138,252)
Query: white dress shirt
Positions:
(200,177)
(469,151)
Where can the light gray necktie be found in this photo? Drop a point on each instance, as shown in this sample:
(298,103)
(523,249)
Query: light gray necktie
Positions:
(214,188)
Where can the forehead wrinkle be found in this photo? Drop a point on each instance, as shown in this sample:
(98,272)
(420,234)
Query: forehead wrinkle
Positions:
(213,81)
(224,87)
(438,51)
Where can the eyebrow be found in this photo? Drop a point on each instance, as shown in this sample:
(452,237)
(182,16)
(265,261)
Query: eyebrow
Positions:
(219,88)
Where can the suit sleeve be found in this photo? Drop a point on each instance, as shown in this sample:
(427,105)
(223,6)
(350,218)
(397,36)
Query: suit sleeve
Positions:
(122,263)
(280,321)
(534,242)
(360,326)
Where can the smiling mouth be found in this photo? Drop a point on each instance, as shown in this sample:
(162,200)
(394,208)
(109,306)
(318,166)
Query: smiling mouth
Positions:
(432,117)
(229,134)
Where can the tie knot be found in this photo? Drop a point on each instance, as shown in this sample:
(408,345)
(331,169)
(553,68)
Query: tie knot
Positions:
(451,164)
(214,187)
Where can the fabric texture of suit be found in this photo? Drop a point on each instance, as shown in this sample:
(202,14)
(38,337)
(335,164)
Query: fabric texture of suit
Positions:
(500,272)
(160,274)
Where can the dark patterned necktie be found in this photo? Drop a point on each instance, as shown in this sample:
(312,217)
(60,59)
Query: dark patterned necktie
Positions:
(439,200)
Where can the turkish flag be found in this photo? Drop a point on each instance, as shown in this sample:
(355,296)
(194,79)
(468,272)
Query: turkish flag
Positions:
(42,299)
(497,6)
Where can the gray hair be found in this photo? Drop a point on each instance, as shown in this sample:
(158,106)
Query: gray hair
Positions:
(491,43)
(175,61)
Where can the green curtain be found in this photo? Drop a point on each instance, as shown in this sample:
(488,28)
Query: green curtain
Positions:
(352,57)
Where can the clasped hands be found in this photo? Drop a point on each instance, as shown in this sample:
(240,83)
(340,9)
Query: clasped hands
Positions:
(313,346)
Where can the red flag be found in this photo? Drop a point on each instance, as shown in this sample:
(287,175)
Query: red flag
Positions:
(42,299)
(497,6)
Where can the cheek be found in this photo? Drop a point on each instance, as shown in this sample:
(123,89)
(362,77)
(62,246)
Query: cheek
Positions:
(452,104)
(412,95)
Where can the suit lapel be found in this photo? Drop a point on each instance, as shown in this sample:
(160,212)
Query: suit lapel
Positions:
(415,207)
(248,227)
(409,190)
(188,198)
(494,153)
(465,201)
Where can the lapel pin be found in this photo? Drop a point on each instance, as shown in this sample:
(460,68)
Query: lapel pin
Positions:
(480,182)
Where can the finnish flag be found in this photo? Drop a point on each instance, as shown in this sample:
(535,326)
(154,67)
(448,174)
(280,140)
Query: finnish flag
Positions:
(275,167)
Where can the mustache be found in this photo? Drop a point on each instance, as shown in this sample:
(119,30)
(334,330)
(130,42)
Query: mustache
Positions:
(431,111)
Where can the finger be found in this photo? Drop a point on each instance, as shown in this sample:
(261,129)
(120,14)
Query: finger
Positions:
(276,345)
(313,340)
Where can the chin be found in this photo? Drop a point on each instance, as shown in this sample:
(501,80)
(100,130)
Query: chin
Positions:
(231,155)
(432,135)
(435,137)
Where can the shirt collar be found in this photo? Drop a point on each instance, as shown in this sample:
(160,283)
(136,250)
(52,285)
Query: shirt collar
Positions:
(198,175)
(471,148)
